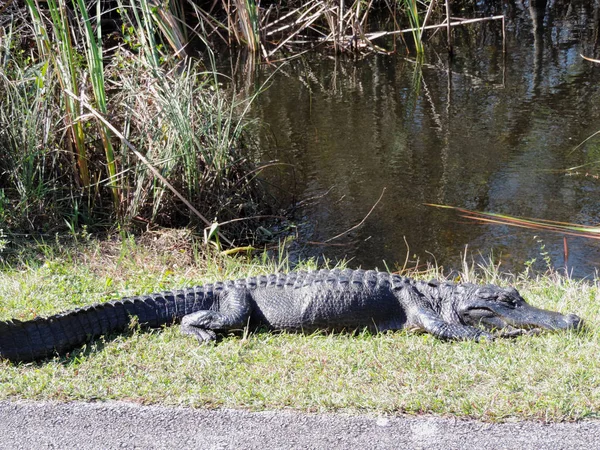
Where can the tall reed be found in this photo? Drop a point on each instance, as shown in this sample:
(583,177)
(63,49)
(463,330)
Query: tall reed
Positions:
(62,56)
(94,56)
(246,15)
(274,26)
(412,12)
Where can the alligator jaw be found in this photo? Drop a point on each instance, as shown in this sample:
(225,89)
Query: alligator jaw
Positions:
(532,317)
(507,313)
(528,319)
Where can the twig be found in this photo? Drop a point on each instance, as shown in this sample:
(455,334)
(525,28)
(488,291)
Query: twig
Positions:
(261,168)
(314,197)
(581,143)
(293,24)
(145,161)
(240,219)
(291,13)
(361,222)
(335,244)
(407,246)
(308,22)
(341,17)
(366,14)
(590,59)
(503,46)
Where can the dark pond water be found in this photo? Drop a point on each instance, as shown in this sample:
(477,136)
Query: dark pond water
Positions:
(488,133)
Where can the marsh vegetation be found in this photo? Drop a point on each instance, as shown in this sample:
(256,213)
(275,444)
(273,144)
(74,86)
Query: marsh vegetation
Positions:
(113,115)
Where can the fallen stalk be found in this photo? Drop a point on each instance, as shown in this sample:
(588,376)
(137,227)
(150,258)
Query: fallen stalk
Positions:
(379,34)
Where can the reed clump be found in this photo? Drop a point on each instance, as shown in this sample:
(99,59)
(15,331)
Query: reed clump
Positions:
(100,128)
(275,28)
(278,29)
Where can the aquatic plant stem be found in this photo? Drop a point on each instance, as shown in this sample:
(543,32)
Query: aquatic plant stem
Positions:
(429,10)
(448,27)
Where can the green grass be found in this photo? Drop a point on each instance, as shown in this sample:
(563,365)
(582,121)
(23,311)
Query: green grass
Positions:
(553,376)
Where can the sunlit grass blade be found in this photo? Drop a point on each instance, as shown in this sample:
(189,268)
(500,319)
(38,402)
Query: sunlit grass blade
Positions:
(571,229)
(597,61)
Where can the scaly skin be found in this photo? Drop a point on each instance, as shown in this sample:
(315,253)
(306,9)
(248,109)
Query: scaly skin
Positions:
(307,301)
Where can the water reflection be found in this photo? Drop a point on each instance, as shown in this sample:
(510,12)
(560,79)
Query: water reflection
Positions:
(489,132)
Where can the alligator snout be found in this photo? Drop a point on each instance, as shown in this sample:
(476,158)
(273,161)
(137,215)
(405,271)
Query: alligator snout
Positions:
(573,321)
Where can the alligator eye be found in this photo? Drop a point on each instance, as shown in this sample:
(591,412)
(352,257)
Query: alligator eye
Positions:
(487,295)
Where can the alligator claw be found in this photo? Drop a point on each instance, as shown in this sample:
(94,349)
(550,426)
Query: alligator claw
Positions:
(202,334)
(534,331)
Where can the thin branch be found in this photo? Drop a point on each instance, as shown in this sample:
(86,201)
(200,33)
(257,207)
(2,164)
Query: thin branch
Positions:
(583,142)
(298,21)
(449,27)
(291,13)
(335,244)
(240,219)
(429,9)
(309,21)
(261,168)
(361,222)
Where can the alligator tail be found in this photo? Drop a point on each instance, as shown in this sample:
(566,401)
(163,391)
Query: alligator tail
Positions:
(43,337)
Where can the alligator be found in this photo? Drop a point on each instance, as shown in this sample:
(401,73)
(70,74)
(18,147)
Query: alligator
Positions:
(334,300)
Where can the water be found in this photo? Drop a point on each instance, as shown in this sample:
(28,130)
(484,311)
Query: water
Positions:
(488,133)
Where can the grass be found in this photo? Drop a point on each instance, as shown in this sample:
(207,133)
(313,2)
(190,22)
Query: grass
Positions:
(553,376)
(76,113)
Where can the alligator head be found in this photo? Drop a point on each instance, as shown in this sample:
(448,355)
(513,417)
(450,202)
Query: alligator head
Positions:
(506,312)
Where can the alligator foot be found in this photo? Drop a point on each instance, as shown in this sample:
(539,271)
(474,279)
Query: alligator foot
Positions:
(199,324)
(203,324)
(203,335)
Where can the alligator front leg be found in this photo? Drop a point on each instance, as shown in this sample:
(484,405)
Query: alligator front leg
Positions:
(233,312)
(430,322)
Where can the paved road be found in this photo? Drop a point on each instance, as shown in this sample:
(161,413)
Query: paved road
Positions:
(116,425)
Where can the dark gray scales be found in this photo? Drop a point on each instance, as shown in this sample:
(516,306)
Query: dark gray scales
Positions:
(297,301)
